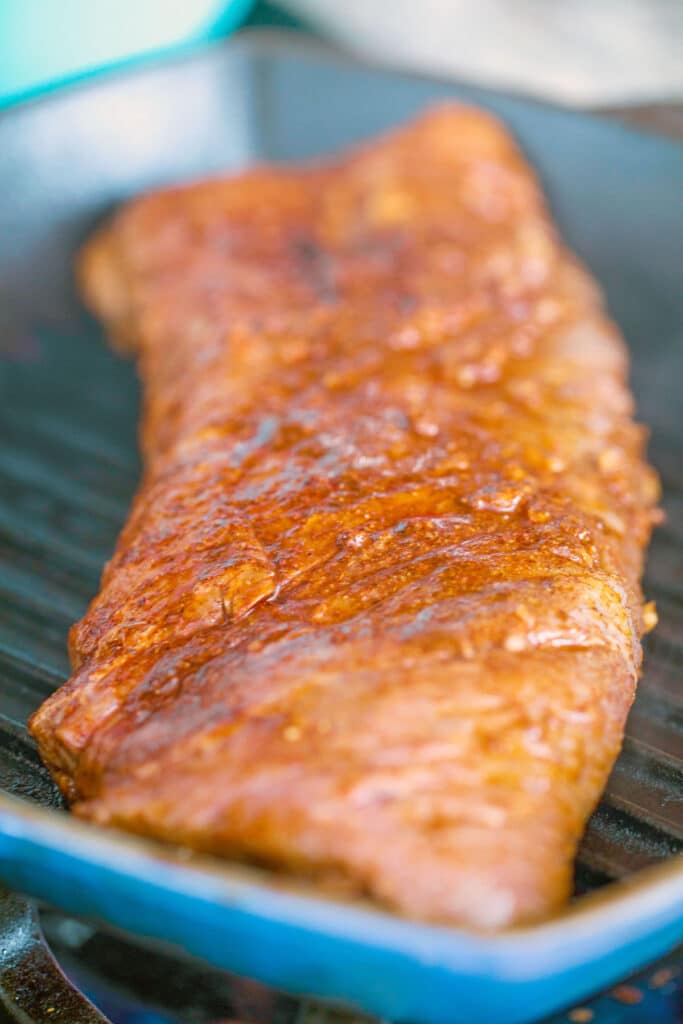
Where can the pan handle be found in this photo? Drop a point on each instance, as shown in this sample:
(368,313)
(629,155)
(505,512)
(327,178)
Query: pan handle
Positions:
(33,989)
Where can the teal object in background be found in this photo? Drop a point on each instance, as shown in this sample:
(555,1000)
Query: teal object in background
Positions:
(44,43)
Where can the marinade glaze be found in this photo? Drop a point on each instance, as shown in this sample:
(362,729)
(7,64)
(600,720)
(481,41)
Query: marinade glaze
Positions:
(376,610)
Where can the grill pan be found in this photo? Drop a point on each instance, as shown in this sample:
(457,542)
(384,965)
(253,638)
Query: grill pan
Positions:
(68,468)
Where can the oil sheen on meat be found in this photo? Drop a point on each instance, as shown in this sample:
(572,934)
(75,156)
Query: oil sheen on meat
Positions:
(376,611)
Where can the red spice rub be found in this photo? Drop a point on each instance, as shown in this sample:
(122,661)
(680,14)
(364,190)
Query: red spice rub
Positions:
(376,610)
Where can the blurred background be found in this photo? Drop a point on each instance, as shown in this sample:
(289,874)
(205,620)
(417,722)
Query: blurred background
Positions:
(581,52)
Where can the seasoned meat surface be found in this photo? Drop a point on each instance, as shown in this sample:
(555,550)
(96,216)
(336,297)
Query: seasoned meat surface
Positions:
(376,611)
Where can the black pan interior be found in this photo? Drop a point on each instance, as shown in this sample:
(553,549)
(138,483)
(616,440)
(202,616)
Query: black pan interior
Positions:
(68,406)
